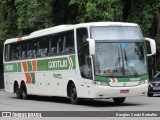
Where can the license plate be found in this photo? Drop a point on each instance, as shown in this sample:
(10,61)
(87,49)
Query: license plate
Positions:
(124,91)
(156,88)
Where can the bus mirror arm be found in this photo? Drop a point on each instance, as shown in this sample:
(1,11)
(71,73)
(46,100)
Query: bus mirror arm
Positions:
(152,45)
(91,46)
(92,53)
(92,66)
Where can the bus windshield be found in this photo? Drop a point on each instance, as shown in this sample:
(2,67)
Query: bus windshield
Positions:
(120,59)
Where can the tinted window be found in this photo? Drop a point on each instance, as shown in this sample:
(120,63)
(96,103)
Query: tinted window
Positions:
(56,44)
(83,53)
(7,53)
(43,46)
(62,43)
(16,48)
(24,46)
(67,42)
(32,48)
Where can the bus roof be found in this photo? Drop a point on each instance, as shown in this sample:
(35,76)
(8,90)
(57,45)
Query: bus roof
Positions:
(62,28)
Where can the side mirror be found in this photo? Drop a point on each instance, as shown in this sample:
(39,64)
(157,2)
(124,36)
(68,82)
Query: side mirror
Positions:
(91,46)
(152,45)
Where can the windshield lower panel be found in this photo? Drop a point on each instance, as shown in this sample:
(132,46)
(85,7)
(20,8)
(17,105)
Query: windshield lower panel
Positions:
(120,59)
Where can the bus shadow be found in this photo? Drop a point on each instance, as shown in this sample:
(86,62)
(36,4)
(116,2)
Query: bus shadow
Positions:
(105,103)
(158,95)
(85,102)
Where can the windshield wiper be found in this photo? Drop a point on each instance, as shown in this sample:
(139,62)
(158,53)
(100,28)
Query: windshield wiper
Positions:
(117,64)
(118,60)
(128,61)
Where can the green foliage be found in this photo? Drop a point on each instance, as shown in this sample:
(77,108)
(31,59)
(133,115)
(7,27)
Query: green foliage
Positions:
(8,19)
(143,12)
(97,10)
(60,12)
(32,15)
(20,17)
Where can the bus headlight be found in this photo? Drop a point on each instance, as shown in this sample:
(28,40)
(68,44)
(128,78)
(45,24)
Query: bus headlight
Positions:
(101,83)
(143,82)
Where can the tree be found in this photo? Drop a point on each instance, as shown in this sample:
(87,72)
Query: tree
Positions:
(32,15)
(61,12)
(97,10)
(140,12)
(8,19)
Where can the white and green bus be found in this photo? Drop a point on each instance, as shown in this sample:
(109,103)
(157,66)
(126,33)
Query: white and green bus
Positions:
(89,60)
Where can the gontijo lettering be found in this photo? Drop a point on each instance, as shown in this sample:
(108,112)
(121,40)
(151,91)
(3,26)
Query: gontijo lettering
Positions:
(58,64)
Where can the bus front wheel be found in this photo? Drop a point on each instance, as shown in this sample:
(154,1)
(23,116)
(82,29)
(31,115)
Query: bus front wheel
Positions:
(119,100)
(73,95)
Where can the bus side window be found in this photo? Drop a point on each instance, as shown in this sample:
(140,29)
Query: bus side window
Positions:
(59,46)
(68,42)
(16,48)
(53,45)
(32,48)
(43,46)
(83,53)
(24,50)
(7,52)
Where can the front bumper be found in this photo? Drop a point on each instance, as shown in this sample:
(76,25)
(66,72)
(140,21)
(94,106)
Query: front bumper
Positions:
(111,92)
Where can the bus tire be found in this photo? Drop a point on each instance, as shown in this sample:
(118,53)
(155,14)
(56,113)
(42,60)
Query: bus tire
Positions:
(119,100)
(150,94)
(24,91)
(18,92)
(73,95)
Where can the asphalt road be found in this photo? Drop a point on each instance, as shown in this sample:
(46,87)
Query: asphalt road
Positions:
(9,102)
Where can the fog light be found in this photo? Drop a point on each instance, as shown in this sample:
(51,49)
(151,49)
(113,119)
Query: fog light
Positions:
(143,82)
(101,83)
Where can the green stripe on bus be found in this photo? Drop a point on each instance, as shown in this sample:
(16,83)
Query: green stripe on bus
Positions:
(42,65)
(62,63)
(131,79)
(19,66)
(100,78)
(29,65)
(33,78)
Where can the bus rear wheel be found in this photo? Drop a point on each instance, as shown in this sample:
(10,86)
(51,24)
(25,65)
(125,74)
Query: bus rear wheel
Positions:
(73,95)
(18,92)
(119,100)
(24,91)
